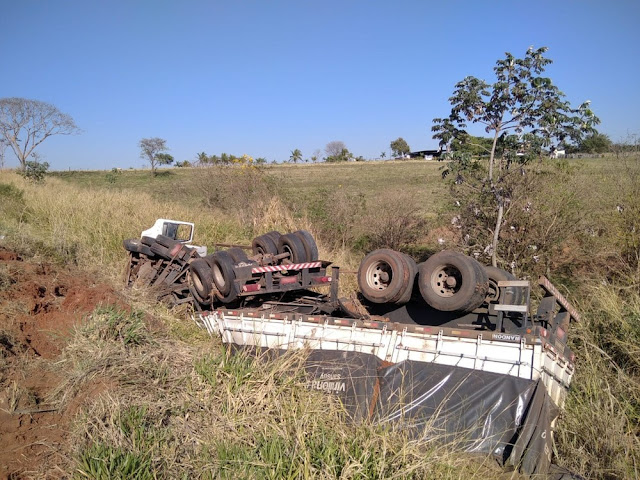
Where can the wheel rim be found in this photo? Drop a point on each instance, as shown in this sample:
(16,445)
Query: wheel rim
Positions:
(379,275)
(446,281)
(287,249)
(197,283)
(218,278)
(493,295)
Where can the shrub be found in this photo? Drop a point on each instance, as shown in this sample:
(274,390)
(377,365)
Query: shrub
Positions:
(34,171)
(242,190)
(394,222)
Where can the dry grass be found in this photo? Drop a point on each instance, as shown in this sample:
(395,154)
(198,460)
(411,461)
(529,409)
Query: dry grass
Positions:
(600,430)
(207,419)
(193,410)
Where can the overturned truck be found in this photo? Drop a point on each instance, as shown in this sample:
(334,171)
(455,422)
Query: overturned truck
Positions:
(446,348)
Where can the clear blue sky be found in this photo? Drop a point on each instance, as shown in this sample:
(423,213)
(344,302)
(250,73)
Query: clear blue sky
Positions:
(266,77)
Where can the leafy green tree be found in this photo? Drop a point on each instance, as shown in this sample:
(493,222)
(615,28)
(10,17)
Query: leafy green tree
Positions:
(595,143)
(520,101)
(164,159)
(152,150)
(399,147)
(34,171)
(472,145)
(296,156)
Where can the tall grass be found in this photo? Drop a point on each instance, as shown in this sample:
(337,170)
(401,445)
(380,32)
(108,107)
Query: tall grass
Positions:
(218,418)
(193,410)
(87,226)
(599,433)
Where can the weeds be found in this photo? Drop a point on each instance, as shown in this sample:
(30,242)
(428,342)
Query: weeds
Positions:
(108,323)
(104,462)
(176,412)
(599,432)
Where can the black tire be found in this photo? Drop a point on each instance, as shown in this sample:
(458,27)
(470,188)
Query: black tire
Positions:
(160,250)
(273,235)
(238,255)
(209,259)
(134,245)
(383,276)
(148,241)
(309,244)
(166,241)
(201,278)
(452,282)
(504,295)
(222,270)
(412,268)
(264,245)
(291,244)
(231,296)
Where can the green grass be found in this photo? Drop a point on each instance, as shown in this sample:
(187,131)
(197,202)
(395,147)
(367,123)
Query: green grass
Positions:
(294,182)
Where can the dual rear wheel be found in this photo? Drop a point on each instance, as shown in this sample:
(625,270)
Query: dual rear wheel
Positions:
(300,246)
(448,281)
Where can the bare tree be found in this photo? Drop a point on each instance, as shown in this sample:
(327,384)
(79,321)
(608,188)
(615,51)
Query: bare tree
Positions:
(3,147)
(151,149)
(25,124)
(335,148)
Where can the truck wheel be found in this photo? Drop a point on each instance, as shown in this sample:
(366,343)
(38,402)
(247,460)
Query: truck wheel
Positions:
(412,268)
(264,245)
(160,250)
(238,255)
(383,276)
(133,245)
(504,295)
(309,244)
(148,241)
(201,277)
(231,296)
(291,244)
(273,235)
(223,274)
(166,241)
(452,282)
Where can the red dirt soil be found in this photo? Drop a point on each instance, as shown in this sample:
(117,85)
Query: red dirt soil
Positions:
(39,305)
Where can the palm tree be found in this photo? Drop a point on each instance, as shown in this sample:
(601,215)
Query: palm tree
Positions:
(383,154)
(296,155)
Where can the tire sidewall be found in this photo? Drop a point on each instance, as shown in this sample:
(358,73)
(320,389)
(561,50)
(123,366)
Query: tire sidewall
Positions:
(264,245)
(473,288)
(399,276)
(201,278)
(292,244)
(222,272)
(309,244)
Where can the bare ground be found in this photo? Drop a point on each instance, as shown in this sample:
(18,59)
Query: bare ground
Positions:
(39,305)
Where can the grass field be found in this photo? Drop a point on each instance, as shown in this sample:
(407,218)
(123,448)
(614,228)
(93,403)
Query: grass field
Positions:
(587,227)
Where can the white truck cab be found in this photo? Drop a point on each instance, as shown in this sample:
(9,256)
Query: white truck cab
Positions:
(177,230)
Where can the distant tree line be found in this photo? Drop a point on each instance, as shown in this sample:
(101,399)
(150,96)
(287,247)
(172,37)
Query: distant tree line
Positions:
(223,159)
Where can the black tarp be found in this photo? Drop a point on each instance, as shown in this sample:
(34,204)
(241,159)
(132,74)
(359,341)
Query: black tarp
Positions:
(482,412)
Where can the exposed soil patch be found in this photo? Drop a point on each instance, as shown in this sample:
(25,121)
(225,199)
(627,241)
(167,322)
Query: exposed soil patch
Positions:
(39,305)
